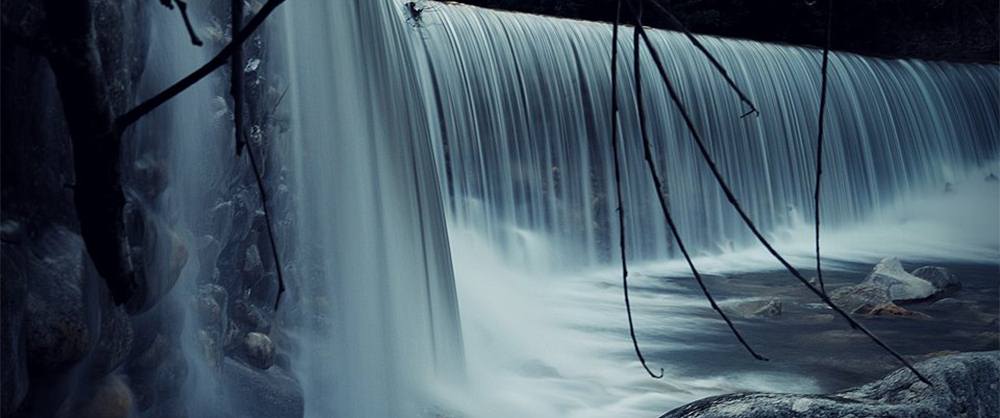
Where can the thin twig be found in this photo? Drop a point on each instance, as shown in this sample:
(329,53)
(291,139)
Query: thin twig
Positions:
(217,61)
(618,189)
(675,97)
(718,66)
(658,184)
(819,137)
(236,75)
(267,220)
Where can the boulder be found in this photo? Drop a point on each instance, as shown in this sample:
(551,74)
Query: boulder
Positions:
(56,322)
(964,385)
(110,398)
(261,393)
(259,350)
(942,279)
(902,286)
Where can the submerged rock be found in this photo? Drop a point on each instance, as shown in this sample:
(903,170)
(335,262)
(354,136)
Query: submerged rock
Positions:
(892,309)
(859,298)
(942,279)
(965,385)
(755,308)
(902,286)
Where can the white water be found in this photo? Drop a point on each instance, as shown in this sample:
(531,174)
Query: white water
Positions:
(380,319)
(521,103)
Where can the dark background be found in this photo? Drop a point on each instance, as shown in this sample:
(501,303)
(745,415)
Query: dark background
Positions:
(954,30)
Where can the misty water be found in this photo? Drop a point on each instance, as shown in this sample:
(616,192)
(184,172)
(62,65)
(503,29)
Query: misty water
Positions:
(454,222)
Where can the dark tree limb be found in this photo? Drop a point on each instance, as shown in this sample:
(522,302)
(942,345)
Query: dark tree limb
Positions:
(819,138)
(219,60)
(658,184)
(689,122)
(618,189)
(718,66)
(267,220)
(236,75)
(97,193)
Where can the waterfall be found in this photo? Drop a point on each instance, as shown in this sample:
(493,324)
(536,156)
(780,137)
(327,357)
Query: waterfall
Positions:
(374,284)
(522,103)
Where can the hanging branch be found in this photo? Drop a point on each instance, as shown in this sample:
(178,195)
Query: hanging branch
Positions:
(618,189)
(236,75)
(658,184)
(718,66)
(182,7)
(217,61)
(675,97)
(267,221)
(819,137)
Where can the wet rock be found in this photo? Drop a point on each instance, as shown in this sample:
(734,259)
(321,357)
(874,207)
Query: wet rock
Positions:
(259,350)
(963,385)
(111,398)
(755,308)
(13,292)
(892,310)
(164,254)
(250,317)
(115,341)
(902,286)
(56,329)
(211,302)
(210,345)
(942,279)
(262,393)
(860,297)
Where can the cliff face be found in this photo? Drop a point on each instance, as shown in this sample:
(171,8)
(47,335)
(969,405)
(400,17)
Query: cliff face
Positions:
(952,30)
(71,346)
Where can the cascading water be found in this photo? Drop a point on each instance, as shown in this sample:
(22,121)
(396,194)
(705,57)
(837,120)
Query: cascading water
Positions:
(523,105)
(376,288)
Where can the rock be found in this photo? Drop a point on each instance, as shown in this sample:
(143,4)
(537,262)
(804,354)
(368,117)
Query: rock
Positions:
(963,385)
(250,317)
(891,309)
(114,343)
(259,350)
(902,286)
(56,323)
(261,393)
(164,255)
(754,308)
(859,297)
(942,279)
(211,302)
(14,366)
(111,398)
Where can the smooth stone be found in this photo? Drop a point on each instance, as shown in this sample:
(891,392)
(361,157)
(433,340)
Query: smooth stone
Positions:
(964,385)
(902,286)
(259,350)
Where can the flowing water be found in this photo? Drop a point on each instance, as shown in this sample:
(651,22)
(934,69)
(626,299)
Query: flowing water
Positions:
(452,198)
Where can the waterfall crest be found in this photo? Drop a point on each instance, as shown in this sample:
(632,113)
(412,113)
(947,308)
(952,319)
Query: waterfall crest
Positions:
(523,107)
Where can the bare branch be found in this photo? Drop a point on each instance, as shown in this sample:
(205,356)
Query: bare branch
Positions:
(220,59)
(658,183)
(618,189)
(675,97)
